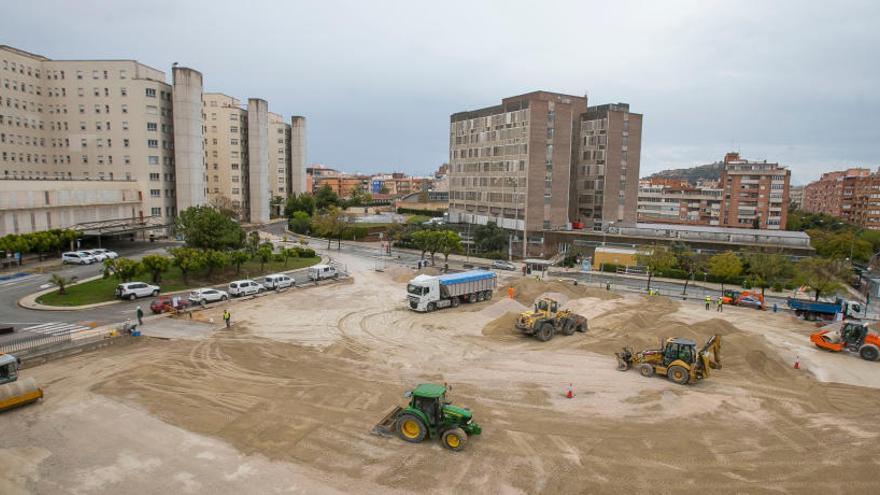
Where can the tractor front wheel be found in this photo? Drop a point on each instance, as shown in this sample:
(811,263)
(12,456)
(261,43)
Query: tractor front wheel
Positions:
(454,439)
(546,332)
(678,374)
(646,370)
(411,429)
(869,353)
(567,327)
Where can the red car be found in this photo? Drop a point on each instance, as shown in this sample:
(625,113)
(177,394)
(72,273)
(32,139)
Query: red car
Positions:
(165,304)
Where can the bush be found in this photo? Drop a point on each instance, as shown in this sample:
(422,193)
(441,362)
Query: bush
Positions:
(410,211)
(672,273)
(610,267)
(305,252)
(277,257)
(777,287)
(495,255)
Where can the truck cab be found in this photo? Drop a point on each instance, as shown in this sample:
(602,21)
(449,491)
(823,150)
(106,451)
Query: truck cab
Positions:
(423,291)
(8,368)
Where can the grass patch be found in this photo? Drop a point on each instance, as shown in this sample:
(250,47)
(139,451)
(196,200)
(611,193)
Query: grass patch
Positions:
(417,219)
(102,290)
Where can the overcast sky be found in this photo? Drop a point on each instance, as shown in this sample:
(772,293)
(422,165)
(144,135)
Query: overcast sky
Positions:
(796,82)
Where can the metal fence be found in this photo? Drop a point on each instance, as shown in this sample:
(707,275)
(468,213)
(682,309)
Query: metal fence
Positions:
(29,344)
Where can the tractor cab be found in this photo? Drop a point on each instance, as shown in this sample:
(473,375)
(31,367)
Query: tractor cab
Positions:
(546,305)
(429,399)
(853,334)
(683,349)
(8,368)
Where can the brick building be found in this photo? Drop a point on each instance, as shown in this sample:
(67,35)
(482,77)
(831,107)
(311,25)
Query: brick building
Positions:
(852,195)
(755,194)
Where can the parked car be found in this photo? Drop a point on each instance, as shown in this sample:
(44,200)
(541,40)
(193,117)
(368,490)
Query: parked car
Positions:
(134,290)
(167,303)
(208,295)
(750,302)
(244,288)
(98,256)
(503,265)
(106,252)
(277,281)
(77,258)
(321,272)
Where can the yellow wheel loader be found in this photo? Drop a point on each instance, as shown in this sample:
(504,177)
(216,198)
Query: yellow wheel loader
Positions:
(677,359)
(547,320)
(14,393)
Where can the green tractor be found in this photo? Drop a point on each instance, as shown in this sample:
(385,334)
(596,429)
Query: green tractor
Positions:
(429,415)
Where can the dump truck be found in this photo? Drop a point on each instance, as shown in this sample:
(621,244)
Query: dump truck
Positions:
(14,393)
(824,310)
(677,359)
(851,337)
(429,415)
(429,292)
(547,320)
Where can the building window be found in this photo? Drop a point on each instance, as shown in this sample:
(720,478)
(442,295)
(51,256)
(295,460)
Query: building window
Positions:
(152,143)
(152,110)
(154,176)
(156,212)
(151,92)
(153,160)
(124,125)
(123,91)
(124,108)
(151,126)
(155,193)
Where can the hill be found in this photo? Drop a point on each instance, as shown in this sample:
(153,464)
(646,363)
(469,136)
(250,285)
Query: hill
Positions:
(692,175)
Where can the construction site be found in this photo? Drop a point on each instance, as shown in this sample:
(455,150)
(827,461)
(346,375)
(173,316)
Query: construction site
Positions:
(284,401)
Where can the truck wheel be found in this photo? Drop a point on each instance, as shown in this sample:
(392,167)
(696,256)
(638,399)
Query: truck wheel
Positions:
(455,302)
(454,439)
(431,307)
(488,295)
(410,428)
(567,327)
(678,374)
(869,352)
(546,332)
(646,370)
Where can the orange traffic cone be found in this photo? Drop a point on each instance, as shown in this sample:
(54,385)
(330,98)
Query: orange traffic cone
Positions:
(570,393)
(797,362)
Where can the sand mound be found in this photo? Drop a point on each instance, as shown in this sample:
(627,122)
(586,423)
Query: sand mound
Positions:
(403,275)
(526,290)
(503,325)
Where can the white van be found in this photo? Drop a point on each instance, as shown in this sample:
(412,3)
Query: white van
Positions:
(277,281)
(244,288)
(321,272)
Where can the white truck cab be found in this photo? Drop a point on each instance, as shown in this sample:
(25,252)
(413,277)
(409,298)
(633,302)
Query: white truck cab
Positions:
(428,293)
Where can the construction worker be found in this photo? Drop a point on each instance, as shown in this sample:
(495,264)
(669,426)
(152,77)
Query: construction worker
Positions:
(140,315)
(510,292)
(226,317)
(720,304)
(708,302)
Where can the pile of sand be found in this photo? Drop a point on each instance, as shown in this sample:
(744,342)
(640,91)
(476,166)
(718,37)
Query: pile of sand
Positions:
(526,290)
(403,275)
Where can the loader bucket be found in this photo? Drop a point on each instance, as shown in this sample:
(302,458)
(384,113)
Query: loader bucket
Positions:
(385,427)
(19,393)
(623,362)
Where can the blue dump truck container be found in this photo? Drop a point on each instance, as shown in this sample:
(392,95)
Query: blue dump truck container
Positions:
(427,293)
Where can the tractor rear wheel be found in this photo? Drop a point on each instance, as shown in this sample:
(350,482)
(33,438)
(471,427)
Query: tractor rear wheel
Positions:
(869,353)
(567,327)
(646,370)
(678,374)
(410,428)
(545,332)
(454,439)
(580,327)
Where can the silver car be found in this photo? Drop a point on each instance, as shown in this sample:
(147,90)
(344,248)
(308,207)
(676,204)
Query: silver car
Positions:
(207,295)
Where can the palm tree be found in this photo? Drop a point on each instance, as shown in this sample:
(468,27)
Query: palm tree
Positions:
(62,282)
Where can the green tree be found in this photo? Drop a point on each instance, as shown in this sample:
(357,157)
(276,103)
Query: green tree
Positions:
(448,242)
(688,261)
(840,244)
(124,269)
(65,240)
(325,198)
(423,239)
(253,242)
(725,266)
(330,224)
(61,282)
(359,197)
(820,276)
(300,222)
(303,202)
(655,260)
(264,254)
(766,270)
(215,260)
(288,253)
(489,237)
(156,265)
(204,227)
(187,260)
(239,258)
(43,242)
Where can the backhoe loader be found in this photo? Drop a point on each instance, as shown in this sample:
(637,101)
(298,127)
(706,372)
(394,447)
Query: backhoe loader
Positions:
(677,359)
(15,393)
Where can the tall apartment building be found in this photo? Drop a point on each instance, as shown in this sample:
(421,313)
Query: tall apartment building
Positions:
(852,194)
(606,183)
(97,123)
(84,121)
(542,161)
(755,193)
(512,163)
(677,202)
(796,197)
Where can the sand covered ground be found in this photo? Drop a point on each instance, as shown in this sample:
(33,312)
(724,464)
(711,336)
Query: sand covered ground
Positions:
(284,402)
